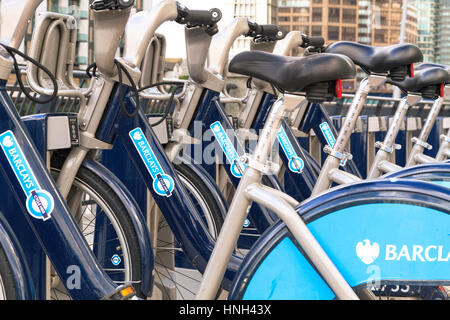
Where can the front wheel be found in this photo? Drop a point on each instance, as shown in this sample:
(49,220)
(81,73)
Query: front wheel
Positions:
(174,274)
(8,290)
(377,234)
(107,228)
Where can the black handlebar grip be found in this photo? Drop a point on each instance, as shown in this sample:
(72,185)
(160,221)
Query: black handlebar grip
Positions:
(204,17)
(271,31)
(316,41)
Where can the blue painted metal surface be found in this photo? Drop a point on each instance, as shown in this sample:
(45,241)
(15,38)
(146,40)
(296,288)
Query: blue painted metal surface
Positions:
(58,233)
(208,112)
(180,213)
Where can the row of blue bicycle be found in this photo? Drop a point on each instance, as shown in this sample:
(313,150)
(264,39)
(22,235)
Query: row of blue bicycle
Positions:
(195,200)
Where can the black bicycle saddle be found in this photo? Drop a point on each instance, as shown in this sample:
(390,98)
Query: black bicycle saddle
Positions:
(293,73)
(377,59)
(431,65)
(426,80)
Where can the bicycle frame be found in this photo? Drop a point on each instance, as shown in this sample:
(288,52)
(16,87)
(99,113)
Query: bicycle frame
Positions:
(156,170)
(52,223)
(250,190)
(444,150)
(381,164)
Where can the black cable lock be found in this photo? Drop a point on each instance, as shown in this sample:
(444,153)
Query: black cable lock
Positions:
(12,52)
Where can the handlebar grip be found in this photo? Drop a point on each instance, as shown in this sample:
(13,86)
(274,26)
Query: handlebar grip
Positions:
(271,31)
(202,17)
(316,41)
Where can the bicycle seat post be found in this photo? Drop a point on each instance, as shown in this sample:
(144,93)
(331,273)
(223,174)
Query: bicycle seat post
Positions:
(330,171)
(387,147)
(420,143)
(416,156)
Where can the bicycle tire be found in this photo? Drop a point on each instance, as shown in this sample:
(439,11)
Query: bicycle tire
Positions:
(386,194)
(88,180)
(8,289)
(203,199)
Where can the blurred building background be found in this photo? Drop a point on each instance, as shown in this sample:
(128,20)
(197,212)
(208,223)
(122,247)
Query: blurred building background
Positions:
(375,22)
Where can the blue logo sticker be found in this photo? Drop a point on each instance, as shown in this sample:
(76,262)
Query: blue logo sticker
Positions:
(115,260)
(39,203)
(163,184)
(296,163)
(328,134)
(237,166)
(246,223)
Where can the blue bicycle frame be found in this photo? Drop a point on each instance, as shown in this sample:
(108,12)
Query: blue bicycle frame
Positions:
(156,170)
(299,181)
(45,214)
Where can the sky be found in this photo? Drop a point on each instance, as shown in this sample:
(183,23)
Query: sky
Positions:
(9,11)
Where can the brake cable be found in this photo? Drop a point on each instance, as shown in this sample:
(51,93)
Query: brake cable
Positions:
(172,97)
(12,52)
(120,68)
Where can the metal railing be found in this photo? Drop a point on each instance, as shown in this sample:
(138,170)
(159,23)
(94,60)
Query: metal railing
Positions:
(25,106)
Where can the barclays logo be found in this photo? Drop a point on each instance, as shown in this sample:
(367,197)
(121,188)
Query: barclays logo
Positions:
(431,253)
(137,136)
(8,142)
(367,252)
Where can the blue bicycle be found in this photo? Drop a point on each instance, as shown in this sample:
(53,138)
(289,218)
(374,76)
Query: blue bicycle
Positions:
(36,221)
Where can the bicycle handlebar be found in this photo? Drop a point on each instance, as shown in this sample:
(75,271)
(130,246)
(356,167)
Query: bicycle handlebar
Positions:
(312,41)
(193,18)
(268,31)
(110,4)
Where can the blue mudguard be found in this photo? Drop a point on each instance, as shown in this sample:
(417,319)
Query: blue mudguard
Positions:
(378,232)
(206,178)
(436,173)
(14,254)
(136,216)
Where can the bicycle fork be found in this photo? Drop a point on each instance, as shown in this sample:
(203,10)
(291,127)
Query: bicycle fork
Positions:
(249,190)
